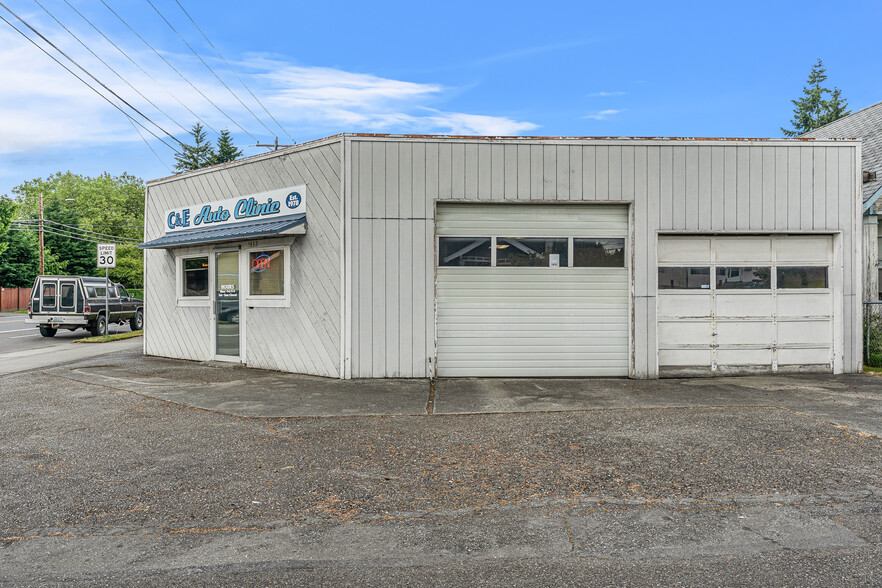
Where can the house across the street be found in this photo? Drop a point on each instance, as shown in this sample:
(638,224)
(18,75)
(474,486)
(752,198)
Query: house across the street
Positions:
(865,124)
(381,256)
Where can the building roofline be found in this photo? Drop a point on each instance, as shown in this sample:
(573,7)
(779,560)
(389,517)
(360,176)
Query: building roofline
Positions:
(495,138)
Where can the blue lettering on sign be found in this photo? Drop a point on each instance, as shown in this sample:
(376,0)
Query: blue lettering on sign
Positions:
(207,216)
(178,219)
(293,200)
(249,207)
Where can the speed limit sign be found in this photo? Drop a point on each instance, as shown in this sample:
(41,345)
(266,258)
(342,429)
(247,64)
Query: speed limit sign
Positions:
(106,255)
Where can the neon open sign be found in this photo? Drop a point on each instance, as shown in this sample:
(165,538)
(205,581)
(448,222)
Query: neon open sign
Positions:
(260,263)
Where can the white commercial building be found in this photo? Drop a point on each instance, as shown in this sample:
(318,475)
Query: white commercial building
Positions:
(368,256)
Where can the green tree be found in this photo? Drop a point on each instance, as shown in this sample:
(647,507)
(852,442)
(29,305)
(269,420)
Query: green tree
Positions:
(7,212)
(78,256)
(815,109)
(196,156)
(110,205)
(226,151)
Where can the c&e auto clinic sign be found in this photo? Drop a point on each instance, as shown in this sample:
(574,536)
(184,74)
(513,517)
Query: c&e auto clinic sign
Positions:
(273,204)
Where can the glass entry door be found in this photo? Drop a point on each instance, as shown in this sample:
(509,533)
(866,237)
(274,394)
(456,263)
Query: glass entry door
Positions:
(226,303)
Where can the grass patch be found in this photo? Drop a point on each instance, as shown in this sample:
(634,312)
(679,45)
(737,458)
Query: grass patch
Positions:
(19,311)
(872,370)
(116,337)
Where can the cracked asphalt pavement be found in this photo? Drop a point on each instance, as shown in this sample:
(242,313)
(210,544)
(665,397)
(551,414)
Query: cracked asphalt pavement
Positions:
(101,486)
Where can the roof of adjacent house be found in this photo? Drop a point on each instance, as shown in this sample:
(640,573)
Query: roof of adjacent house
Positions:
(867,125)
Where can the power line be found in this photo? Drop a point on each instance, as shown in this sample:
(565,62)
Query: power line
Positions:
(234,72)
(71,72)
(164,164)
(175,70)
(84,70)
(71,33)
(31,222)
(223,83)
(126,55)
(72,237)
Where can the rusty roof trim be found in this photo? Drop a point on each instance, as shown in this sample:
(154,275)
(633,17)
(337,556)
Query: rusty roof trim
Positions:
(501,138)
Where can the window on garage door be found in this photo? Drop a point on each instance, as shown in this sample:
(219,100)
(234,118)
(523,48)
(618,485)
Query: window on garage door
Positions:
(472,251)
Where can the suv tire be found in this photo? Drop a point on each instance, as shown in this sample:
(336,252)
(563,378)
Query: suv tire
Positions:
(137,321)
(48,331)
(98,326)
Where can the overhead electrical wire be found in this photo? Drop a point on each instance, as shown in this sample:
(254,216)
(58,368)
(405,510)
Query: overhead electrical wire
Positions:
(126,55)
(36,222)
(199,57)
(164,164)
(56,233)
(84,70)
(72,34)
(219,109)
(109,101)
(256,99)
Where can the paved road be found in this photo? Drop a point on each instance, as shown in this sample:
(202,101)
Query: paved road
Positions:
(102,486)
(23,348)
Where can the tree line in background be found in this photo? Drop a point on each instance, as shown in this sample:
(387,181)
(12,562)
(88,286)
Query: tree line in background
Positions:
(110,205)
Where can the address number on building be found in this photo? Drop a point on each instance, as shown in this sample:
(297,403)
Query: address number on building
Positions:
(106,255)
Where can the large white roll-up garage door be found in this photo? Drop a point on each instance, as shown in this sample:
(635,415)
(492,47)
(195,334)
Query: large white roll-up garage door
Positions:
(743,304)
(532,290)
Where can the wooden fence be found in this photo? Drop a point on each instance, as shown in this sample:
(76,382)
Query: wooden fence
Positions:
(14,299)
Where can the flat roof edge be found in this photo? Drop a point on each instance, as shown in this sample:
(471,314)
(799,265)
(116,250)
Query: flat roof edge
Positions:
(502,139)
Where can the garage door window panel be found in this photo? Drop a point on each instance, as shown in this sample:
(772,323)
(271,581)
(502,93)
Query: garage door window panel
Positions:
(744,278)
(531,252)
(683,278)
(464,251)
(802,277)
(598,252)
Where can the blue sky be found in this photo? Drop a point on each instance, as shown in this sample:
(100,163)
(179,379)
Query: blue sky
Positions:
(492,68)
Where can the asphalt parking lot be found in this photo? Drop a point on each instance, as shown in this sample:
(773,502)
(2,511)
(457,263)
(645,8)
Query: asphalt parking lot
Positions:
(755,481)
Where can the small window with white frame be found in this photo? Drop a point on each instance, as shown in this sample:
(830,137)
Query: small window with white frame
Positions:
(266,273)
(194,277)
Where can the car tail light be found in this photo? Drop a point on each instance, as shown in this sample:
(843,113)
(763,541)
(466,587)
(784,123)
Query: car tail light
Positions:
(87,309)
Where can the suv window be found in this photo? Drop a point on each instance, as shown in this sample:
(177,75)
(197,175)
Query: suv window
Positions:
(123,293)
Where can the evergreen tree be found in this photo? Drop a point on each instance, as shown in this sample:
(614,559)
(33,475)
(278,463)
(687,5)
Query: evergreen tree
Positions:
(814,110)
(226,151)
(195,156)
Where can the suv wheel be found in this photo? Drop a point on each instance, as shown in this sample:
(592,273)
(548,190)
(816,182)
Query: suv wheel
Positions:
(48,331)
(137,321)
(98,326)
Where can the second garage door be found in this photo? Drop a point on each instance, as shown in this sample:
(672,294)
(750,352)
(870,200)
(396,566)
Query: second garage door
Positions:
(745,303)
(532,290)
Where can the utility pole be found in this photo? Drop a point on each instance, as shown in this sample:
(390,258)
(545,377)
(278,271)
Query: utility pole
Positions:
(41,233)
(275,145)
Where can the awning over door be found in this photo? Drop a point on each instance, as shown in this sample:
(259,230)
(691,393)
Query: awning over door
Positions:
(289,225)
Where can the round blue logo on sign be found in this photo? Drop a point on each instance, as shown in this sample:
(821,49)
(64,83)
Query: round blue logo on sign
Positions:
(293,200)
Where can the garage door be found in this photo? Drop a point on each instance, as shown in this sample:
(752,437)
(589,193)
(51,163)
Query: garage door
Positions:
(744,304)
(532,290)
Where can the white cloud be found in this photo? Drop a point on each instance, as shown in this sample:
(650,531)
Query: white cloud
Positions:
(603,114)
(42,106)
(604,94)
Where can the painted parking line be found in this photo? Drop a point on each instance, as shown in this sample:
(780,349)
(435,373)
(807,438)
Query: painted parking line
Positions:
(17,330)
(23,336)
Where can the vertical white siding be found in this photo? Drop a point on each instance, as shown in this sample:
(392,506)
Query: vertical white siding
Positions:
(675,186)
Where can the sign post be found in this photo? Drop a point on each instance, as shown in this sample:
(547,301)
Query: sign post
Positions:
(107,260)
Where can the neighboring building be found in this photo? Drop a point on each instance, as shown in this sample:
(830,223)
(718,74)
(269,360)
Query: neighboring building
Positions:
(370,256)
(865,124)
